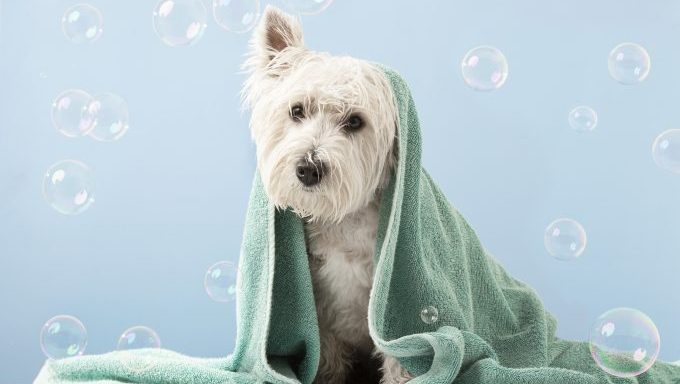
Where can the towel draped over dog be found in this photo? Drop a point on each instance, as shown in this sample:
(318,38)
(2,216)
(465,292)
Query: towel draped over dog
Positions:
(490,328)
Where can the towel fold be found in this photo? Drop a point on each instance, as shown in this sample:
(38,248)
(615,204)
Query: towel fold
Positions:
(489,328)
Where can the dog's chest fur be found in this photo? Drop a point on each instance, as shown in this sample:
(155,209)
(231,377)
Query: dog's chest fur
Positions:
(341,264)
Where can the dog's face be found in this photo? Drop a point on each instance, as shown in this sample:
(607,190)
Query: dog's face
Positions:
(324,126)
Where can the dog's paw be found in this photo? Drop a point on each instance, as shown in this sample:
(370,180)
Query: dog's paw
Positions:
(393,372)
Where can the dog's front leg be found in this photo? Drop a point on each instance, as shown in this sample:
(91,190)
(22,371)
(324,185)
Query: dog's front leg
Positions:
(392,371)
(335,360)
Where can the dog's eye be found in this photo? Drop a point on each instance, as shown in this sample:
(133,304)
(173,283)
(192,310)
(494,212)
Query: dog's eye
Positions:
(297,113)
(354,123)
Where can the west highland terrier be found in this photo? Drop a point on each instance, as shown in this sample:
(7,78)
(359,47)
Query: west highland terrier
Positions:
(325,131)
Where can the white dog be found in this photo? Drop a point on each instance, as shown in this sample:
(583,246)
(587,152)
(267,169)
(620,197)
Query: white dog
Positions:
(325,131)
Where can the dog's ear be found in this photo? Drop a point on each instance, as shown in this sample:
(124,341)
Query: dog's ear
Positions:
(276,32)
(274,49)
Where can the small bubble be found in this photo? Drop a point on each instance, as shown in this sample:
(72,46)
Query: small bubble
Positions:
(236,15)
(624,342)
(144,341)
(63,336)
(82,23)
(108,116)
(220,281)
(139,337)
(429,315)
(565,239)
(629,63)
(180,22)
(666,150)
(582,119)
(484,68)
(68,187)
(67,113)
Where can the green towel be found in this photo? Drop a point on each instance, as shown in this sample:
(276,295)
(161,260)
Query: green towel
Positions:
(490,329)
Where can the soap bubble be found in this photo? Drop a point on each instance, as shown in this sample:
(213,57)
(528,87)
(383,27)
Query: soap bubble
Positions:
(63,336)
(236,15)
(180,22)
(144,339)
(220,281)
(624,342)
(67,113)
(565,239)
(109,117)
(82,23)
(629,63)
(583,118)
(139,337)
(484,68)
(68,187)
(666,150)
(308,7)
(429,315)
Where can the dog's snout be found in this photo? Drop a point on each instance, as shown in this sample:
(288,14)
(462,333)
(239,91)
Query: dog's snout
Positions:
(310,173)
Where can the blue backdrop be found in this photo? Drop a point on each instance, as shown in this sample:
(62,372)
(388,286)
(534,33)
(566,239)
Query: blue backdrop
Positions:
(171,194)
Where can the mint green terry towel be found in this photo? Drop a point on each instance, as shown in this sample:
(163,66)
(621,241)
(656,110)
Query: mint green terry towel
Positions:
(491,328)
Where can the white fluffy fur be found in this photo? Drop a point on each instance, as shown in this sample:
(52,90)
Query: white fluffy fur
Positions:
(341,212)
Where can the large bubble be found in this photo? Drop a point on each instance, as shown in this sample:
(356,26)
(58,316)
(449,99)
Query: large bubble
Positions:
(220,281)
(109,117)
(236,15)
(624,342)
(629,63)
(565,239)
(180,22)
(67,113)
(82,23)
(666,150)
(63,336)
(308,7)
(68,186)
(484,68)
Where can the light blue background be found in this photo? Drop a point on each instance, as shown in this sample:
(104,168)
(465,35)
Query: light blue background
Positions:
(171,195)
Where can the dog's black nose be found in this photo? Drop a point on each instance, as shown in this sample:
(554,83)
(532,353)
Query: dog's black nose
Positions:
(310,173)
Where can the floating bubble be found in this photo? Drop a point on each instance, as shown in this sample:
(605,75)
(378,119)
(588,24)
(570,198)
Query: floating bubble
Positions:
(220,281)
(180,22)
(308,7)
(624,342)
(429,315)
(67,113)
(629,63)
(108,116)
(583,118)
(82,23)
(68,187)
(484,68)
(565,239)
(236,15)
(63,336)
(666,150)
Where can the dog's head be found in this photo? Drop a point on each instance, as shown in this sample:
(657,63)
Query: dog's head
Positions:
(324,126)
